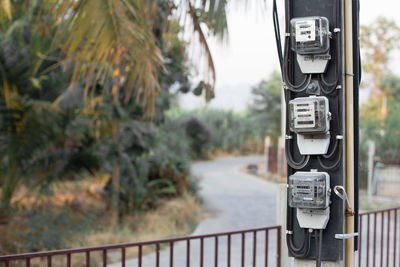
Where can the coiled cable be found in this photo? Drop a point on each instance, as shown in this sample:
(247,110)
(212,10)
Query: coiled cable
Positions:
(289,158)
(284,59)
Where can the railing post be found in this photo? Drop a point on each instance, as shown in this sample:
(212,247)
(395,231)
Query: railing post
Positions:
(278,246)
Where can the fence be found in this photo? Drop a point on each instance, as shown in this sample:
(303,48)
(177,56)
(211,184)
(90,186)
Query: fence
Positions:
(379,238)
(270,237)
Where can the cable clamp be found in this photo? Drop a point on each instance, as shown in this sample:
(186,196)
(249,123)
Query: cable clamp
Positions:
(288,232)
(339,137)
(336,30)
(344,197)
(288,137)
(338,87)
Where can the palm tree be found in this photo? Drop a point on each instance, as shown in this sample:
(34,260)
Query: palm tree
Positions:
(96,41)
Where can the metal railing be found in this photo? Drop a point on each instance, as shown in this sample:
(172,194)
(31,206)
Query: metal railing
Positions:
(269,241)
(379,238)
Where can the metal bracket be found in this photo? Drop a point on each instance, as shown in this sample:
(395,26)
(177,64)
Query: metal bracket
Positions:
(288,137)
(346,236)
(344,197)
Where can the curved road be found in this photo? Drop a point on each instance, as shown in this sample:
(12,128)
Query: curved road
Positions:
(235,201)
(238,200)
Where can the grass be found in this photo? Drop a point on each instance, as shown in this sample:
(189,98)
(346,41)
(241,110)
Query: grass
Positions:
(175,217)
(172,217)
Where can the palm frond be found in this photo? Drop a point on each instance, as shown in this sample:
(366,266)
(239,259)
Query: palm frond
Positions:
(110,39)
(203,40)
(5,9)
(206,17)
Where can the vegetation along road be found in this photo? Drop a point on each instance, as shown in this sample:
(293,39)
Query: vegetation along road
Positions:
(234,201)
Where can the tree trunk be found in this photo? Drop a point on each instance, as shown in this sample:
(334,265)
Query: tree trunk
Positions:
(115,173)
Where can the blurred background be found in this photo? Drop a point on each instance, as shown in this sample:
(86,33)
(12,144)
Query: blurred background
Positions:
(105,104)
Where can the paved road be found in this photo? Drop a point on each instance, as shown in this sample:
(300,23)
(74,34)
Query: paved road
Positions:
(236,201)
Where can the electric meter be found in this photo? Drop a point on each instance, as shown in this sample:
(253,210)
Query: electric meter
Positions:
(310,35)
(309,190)
(309,115)
(309,193)
(309,38)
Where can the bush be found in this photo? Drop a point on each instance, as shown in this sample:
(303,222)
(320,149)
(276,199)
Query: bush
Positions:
(47,230)
(212,130)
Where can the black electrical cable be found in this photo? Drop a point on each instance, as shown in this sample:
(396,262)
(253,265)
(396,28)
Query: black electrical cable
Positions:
(307,78)
(318,248)
(333,152)
(277,30)
(304,249)
(284,59)
(330,87)
(334,165)
(291,162)
(336,147)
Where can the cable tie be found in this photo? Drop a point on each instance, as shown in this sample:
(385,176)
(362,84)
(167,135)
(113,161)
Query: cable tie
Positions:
(287,34)
(349,74)
(336,30)
(338,87)
(288,232)
(339,137)
(288,137)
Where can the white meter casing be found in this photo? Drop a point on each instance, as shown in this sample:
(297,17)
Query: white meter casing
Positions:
(309,117)
(309,193)
(310,40)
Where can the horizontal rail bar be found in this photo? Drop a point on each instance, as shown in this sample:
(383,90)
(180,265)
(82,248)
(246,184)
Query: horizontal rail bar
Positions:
(378,211)
(126,245)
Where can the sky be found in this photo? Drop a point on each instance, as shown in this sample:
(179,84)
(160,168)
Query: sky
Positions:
(250,55)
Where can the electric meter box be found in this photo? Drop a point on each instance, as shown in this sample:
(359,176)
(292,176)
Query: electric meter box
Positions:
(309,35)
(309,115)
(309,190)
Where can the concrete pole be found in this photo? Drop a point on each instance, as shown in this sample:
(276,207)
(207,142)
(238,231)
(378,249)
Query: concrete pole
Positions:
(349,133)
(281,220)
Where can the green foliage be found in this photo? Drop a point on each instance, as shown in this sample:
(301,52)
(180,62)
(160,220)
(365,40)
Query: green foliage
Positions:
(47,230)
(265,110)
(212,129)
(384,131)
(378,41)
(198,134)
(153,163)
(77,79)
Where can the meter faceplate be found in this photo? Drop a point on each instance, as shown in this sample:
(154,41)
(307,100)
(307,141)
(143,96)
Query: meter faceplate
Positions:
(309,190)
(309,115)
(309,35)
